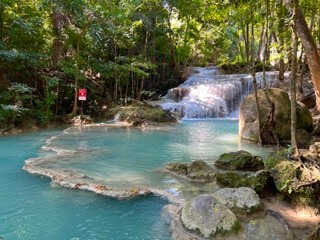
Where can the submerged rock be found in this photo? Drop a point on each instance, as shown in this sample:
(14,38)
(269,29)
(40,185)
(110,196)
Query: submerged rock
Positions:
(248,121)
(240,160)
(142,113)
(259,181)
(242,200)
(208,217)
(197,171)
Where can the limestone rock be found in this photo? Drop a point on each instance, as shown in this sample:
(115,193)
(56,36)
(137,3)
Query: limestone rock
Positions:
(259,181)
(208,217)
(248,121)
(301,183)
(240,160)
(141,113)
(197,171)
(81,120)
(243,199)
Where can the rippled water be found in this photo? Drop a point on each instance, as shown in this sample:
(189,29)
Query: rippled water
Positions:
(32,208)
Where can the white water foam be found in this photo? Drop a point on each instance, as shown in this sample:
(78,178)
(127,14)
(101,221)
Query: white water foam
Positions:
(208,94)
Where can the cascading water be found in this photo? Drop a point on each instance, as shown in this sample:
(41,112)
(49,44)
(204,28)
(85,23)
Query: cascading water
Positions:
(208,94)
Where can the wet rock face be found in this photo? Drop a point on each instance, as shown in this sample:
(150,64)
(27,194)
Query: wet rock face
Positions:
(259,181)
(177,94)
(197,171)
(248,121)
(208,217)
(242,200)
(240,160)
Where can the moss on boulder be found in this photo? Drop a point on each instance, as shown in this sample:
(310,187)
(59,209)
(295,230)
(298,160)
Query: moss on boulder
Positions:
(140,113)
(258,181)
(301,183)
(240,160)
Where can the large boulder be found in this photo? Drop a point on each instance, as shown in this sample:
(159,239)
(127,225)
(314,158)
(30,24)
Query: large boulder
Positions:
(208,217)
(300,182)
(240,160)
(242,200)
(248,121)
(259,181)
(141,114)
(197,171)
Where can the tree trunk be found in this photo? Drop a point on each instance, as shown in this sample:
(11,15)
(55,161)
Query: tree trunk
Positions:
(255,88)
(281,26)
(75,104)
(1,19)
(294,145)
(57,42)
(310,48)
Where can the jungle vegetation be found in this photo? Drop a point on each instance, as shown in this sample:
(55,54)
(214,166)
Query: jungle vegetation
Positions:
(122,50)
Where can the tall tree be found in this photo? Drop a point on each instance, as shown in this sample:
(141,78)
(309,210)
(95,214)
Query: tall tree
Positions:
(309,46)
(293,85)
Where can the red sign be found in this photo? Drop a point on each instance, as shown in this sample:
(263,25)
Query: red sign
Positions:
(82,94)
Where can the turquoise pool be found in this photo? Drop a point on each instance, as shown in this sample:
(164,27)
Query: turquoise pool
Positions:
(33,208)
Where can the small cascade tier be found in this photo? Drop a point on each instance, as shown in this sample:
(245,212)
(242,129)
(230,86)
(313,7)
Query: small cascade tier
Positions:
(208,94)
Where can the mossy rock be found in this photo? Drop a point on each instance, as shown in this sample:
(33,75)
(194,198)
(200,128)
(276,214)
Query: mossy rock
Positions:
(142,112)
(197,171)
(258,181)
(300,183)
(285,174)
(240,160)
(275,158)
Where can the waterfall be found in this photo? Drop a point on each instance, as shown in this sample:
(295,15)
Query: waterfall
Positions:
(209,94)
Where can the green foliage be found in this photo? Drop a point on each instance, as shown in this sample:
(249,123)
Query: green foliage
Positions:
(123,49)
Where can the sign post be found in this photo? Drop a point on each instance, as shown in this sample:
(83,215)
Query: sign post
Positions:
(82,96)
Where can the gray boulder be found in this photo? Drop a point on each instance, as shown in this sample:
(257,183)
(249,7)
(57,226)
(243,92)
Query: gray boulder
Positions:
(248,121)
(241,200)
(208,217)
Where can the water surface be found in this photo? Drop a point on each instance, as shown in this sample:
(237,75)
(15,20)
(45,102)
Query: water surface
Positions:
(33,208)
